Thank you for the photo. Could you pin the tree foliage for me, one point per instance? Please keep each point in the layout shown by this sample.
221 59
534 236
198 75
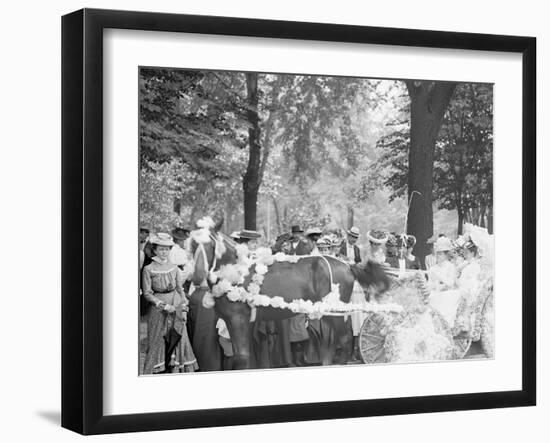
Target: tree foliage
462 174
311 150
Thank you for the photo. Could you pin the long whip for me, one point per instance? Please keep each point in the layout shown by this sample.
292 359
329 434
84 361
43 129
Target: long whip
408 209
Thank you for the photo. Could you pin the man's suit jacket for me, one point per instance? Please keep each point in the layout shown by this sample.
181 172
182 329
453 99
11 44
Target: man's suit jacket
302 248
356 252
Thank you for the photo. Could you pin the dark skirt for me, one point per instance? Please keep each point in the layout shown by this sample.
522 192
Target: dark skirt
201 326
183 358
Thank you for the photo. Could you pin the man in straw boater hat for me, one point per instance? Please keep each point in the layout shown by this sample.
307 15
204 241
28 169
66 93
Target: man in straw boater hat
349 249
350 252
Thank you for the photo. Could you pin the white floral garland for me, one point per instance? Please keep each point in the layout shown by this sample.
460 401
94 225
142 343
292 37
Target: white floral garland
228 281
416 339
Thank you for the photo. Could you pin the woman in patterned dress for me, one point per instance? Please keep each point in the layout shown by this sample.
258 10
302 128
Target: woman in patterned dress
162 288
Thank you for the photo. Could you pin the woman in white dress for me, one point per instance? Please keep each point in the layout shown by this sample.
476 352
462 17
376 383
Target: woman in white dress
469 281
442 281
469 284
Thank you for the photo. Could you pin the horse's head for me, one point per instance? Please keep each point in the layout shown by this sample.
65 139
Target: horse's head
371 275
208 247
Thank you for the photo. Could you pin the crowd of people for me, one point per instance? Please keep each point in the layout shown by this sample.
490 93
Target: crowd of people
166 265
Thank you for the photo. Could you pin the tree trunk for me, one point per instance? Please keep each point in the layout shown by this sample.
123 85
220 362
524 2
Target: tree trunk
251 179
490 219
177 206
482 216
460 221
228 217
429 100
277 216
350 217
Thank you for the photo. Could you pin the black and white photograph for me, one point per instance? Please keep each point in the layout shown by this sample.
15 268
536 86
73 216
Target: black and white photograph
297 221
275 221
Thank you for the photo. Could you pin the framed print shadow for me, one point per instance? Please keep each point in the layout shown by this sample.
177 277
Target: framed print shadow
269 221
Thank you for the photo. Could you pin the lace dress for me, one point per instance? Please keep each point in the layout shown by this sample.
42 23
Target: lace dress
162 283
444 296
469 284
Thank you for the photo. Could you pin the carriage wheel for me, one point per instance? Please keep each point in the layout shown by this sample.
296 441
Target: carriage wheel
462 345
372 338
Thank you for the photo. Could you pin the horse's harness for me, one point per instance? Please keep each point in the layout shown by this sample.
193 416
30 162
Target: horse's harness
200 249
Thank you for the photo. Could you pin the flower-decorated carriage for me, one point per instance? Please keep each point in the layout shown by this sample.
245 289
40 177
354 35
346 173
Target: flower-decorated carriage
421 332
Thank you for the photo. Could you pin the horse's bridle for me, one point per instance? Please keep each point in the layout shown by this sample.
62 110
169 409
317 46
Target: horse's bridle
200 249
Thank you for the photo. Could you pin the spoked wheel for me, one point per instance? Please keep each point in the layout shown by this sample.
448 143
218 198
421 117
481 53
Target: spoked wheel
372 337
461 345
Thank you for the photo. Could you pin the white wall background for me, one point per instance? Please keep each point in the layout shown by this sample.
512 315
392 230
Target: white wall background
30 218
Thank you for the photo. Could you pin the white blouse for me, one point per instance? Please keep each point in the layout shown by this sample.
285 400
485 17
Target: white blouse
442 276
469 281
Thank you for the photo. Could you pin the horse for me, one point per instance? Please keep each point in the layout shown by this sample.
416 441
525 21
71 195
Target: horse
210 250
307 279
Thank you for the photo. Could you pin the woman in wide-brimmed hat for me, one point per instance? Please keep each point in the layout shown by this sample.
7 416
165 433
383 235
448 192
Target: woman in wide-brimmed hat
162 287
312 236
323 245
377 242
442 275
442 280
469 281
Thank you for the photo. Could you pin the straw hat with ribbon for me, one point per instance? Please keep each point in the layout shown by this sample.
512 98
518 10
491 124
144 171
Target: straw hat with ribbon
443 244
162 239
249 234
314 231
377 237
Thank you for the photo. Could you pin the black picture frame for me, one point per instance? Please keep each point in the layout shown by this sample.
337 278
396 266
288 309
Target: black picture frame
82 219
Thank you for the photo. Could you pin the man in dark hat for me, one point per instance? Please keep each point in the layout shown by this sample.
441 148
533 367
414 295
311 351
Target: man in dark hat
298 244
